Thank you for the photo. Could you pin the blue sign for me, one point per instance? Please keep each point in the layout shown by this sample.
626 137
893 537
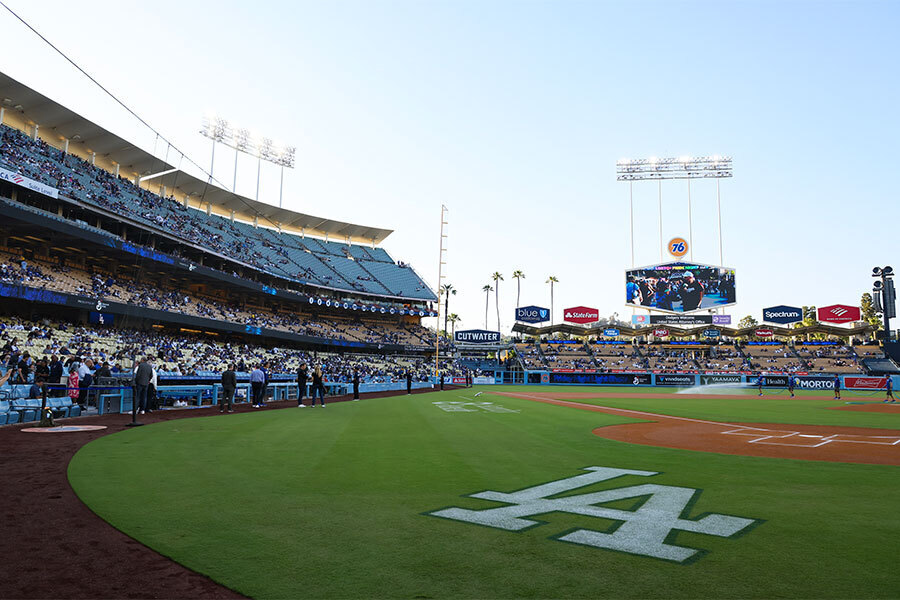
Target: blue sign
711 333
100 318
782 314
532 314
477 336
611 332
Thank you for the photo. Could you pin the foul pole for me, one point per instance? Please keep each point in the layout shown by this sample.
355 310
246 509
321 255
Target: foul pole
440 278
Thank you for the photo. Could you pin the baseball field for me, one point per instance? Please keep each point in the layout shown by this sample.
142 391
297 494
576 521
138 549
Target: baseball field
557 492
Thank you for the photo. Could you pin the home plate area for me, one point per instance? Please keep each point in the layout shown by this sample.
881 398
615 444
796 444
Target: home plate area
776 437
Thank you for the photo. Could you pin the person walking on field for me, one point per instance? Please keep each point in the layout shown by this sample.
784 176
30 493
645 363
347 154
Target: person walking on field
302 378
355 385
889 390
229 385
318 386
837 387
791 382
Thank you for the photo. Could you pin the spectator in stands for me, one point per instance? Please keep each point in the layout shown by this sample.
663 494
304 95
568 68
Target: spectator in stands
143 373
41 371
56 373
85 378
229 385
72 382
24 367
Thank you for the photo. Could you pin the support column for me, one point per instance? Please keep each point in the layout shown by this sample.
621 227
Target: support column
93 158
66 147
36 127
2 114
117 164
232 216
208 208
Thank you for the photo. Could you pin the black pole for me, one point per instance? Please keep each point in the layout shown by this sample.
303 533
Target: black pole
46 419
134 421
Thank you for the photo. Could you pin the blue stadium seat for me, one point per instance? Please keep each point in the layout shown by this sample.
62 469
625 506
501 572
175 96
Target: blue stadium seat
7 415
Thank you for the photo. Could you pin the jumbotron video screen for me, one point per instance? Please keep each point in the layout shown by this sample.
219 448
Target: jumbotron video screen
680 287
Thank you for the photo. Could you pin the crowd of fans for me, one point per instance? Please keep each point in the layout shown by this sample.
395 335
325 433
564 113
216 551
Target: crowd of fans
724 357
263 248
34 352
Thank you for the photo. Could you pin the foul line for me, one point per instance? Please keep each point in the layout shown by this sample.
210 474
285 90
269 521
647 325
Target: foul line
743 430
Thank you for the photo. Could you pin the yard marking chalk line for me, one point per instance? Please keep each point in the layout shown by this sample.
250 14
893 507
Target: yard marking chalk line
761 435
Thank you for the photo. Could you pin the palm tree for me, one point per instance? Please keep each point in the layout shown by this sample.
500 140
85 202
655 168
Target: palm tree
487 298
447 289
497 277
551 281
518 275
454 319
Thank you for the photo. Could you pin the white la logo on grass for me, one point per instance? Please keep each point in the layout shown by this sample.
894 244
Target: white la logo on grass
648 530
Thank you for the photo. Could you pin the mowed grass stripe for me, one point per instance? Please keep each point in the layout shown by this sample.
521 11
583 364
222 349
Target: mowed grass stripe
329 502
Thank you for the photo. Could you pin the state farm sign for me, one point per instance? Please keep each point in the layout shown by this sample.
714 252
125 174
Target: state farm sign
839 313
581 315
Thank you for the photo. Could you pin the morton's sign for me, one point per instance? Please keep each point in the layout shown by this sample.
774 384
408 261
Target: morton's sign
476 336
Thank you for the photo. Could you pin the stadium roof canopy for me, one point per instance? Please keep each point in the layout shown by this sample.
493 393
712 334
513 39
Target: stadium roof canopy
51 116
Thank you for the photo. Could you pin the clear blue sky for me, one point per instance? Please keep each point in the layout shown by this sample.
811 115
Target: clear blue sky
513 114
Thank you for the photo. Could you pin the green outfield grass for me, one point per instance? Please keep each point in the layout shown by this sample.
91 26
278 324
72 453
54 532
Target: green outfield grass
808 408
333 503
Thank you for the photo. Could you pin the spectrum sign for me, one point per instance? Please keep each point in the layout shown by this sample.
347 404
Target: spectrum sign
782 314
581 315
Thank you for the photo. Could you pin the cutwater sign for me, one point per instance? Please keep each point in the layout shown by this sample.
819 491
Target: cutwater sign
782 314
532 314
477 336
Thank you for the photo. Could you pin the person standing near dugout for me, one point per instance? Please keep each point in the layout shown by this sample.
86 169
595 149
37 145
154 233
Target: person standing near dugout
791 383
355 385
318 386
302 378
837 387
408 381
889 390
229 385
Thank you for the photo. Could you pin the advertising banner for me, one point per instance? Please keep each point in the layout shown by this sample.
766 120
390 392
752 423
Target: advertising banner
715 379
711 333
865 383
31 184
681 320
782 314
483 381
458 381
683 380
532 314
815 382
602 378
763 332
839 313
661 332
771 380
581 315
611 332
477 336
